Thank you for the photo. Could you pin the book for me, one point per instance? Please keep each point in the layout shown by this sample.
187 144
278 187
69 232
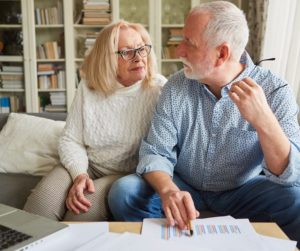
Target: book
11 77
4 104
13 68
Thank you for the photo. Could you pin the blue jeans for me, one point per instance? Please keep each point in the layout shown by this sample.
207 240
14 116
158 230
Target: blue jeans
131 198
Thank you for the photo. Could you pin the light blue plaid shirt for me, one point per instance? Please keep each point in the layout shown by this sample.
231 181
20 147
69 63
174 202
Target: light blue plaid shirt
207 142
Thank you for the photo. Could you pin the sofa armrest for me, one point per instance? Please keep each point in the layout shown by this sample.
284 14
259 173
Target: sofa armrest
15 188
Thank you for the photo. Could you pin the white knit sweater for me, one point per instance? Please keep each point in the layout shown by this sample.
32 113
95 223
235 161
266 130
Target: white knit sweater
105 132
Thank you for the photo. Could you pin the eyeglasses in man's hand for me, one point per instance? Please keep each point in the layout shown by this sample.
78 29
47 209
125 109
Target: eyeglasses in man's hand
130 54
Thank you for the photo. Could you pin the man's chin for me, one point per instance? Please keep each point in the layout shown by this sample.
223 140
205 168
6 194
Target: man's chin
189 74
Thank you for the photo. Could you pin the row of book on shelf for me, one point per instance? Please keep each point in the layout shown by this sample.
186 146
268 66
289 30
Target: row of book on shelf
52 15
175 37
49 50
12 77
95 12
51 76
11 103
15 103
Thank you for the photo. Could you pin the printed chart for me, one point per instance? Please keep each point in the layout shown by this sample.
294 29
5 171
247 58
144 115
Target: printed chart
168 232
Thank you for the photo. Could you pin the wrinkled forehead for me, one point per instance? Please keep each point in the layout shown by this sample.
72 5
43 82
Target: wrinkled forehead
195 25
129 38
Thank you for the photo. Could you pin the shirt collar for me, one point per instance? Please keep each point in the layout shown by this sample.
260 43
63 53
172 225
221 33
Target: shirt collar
249 66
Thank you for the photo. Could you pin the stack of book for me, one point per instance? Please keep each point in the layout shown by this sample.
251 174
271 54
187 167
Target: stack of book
53 15
58 102
48 50
12 77
51 76
96 12
89 42
175 37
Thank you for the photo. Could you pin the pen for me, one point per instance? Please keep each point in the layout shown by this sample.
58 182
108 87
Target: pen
190 228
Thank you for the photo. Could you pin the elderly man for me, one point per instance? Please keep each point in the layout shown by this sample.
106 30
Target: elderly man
219 124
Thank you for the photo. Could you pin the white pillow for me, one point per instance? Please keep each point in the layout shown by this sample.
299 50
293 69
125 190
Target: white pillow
28 144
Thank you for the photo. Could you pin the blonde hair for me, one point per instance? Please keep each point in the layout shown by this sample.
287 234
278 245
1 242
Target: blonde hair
100 65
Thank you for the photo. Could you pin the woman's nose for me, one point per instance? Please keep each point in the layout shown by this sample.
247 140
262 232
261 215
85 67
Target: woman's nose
137 57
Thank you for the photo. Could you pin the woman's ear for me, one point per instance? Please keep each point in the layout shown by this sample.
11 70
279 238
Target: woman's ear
223 54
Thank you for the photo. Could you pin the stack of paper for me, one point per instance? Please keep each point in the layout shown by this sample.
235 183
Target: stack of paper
211 234
134 242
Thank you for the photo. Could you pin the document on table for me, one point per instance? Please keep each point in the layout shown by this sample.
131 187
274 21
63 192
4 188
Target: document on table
134 242
76 235
219 233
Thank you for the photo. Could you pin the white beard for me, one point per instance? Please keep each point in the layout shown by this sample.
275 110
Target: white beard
199 71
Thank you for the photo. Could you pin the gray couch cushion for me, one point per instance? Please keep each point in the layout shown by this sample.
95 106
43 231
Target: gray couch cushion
15 188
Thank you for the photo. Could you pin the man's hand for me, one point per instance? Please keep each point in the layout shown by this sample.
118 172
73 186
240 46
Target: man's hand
178 205
76 200
252 104
179 208
251 101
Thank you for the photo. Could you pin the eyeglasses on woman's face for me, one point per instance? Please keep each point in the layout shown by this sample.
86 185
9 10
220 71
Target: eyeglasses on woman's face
130 54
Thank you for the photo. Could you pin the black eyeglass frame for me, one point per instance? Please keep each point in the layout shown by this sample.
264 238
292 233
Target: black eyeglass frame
137 50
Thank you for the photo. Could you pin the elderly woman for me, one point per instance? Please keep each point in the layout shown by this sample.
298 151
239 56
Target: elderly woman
109 116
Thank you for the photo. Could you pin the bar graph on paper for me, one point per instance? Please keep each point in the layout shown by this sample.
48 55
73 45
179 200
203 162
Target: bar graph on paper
200 230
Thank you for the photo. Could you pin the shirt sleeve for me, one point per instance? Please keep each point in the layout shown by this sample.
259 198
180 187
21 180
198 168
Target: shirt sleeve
286 110
158 150
71 146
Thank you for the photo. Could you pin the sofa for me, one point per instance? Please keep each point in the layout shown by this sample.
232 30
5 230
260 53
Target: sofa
14 187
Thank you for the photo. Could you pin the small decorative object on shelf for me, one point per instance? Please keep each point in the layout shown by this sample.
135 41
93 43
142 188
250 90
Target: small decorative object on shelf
6 38
10 12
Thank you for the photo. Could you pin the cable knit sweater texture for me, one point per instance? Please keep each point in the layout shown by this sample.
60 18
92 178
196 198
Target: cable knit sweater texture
106 132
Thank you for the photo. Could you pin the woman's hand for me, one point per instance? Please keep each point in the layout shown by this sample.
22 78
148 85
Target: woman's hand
76 201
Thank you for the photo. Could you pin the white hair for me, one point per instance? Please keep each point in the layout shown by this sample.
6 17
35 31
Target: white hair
227 23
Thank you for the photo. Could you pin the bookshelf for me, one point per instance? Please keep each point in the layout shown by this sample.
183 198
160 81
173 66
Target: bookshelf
54 36
13 94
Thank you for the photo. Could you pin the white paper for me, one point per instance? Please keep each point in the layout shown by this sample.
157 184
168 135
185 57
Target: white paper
134 242
103 241
276 244
76 235
211 233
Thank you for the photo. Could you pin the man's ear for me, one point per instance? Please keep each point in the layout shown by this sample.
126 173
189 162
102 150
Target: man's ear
223 54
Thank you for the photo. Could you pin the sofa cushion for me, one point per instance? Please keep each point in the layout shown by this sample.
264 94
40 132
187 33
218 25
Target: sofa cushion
28 144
